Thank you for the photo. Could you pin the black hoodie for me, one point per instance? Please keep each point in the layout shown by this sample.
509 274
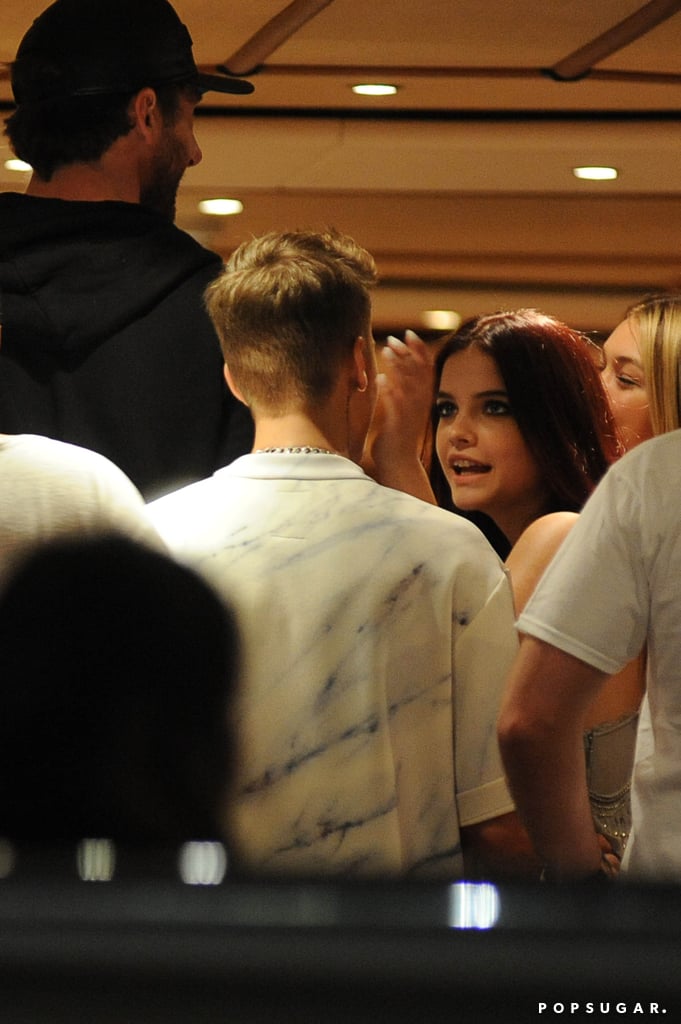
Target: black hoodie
106 342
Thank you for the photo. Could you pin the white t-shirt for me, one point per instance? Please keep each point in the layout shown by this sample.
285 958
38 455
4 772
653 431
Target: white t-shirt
361 610
50 489
614 586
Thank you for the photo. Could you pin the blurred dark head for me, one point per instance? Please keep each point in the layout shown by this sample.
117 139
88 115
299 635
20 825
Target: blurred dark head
117 668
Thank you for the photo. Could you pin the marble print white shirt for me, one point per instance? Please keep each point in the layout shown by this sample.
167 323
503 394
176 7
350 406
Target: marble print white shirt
377 634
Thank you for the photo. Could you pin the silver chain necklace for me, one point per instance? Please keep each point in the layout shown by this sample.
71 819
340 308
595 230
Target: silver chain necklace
303 449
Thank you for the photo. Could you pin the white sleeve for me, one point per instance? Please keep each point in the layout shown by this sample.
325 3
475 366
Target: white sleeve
592 601
484 653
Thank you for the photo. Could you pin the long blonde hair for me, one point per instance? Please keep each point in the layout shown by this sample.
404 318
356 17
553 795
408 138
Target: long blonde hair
658 321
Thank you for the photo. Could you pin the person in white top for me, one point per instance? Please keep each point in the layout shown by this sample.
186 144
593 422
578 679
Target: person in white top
50 489
629 541
376 629
612 588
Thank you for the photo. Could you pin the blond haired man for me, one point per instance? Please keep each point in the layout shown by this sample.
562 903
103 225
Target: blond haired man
377 629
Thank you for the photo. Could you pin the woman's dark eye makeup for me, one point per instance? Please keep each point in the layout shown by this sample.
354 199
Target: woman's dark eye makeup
497 407
445 408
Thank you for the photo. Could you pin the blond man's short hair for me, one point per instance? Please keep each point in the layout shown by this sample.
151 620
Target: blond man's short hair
287 310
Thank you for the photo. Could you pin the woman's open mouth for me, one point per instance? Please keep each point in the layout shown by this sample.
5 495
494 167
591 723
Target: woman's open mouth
468 467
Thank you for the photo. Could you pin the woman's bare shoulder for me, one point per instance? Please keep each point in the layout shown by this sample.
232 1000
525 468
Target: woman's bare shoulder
547 532
533 551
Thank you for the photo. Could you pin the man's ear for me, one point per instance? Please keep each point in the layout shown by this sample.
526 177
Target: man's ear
146 113
232 386
359 356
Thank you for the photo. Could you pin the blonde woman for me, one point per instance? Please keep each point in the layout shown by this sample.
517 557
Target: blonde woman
642 369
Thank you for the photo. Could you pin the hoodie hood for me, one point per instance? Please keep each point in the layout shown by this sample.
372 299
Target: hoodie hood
75 273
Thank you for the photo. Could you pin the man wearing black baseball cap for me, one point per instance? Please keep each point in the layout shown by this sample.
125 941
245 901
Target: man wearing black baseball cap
77 49
105 340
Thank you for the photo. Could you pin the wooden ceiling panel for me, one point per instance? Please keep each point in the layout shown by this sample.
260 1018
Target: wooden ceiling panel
461 183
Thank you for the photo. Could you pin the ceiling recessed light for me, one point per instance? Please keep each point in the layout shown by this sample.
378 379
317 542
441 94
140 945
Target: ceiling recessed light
14 164
440 319
375 89
221 207
595 173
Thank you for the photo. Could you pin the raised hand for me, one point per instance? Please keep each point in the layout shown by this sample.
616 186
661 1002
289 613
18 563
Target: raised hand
401 422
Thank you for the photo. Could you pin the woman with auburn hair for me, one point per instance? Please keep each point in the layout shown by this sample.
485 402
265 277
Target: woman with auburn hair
553 387
524 433
560 410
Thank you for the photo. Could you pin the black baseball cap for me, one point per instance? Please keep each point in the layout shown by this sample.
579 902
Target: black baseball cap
100 47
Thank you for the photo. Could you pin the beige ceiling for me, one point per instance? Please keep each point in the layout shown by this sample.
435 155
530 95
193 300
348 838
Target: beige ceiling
461 184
